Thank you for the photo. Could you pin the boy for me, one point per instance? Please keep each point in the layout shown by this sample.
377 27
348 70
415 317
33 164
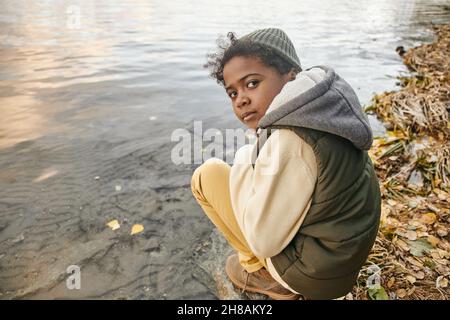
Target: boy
307 226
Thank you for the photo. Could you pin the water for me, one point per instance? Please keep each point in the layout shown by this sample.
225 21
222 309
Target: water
95 89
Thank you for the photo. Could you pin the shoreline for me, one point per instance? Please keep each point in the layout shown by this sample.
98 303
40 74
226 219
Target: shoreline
412 250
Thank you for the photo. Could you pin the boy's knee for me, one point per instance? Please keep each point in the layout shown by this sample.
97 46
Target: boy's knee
210 167
214 162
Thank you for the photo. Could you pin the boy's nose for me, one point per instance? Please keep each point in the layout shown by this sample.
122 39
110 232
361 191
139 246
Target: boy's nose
243 101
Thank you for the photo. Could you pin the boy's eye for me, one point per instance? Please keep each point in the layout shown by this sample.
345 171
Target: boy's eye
250 84
253 81
231 94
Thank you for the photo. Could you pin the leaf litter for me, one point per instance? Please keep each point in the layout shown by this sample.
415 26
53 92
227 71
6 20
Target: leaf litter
412 162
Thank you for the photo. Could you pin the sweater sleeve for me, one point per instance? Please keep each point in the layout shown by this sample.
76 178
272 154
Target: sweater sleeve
270 201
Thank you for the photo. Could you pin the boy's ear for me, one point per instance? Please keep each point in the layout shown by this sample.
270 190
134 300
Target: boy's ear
292 74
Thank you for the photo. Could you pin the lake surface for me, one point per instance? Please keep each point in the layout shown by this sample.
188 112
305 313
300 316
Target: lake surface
89 97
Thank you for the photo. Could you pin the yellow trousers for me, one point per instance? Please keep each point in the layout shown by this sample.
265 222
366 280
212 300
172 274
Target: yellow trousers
210 187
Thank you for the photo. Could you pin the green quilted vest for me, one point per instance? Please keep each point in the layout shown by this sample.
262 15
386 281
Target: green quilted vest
325 256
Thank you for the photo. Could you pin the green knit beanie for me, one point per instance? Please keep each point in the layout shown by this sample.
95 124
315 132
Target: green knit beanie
277 40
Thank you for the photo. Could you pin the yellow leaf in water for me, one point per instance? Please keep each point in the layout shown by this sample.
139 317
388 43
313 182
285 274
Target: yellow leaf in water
137 228
113 224
428 218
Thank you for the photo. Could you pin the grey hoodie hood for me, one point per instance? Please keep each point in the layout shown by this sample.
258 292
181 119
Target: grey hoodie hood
320 99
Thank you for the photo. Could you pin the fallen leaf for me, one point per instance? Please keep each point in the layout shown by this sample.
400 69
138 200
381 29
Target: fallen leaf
435 255
433 240
411 279
443 254
441 282
442 197
411 235
113 224
413 204
377 293
442 232
137 228
444 262
422 234
390 282
402 244
401 293
428 218
441 194
414 262
392 202
430 264
414 223
419 247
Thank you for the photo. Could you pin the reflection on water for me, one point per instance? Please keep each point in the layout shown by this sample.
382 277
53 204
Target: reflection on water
95 88
20 121
115 54
56 53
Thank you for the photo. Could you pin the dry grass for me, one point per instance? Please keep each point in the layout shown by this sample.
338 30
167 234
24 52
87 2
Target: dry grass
412 250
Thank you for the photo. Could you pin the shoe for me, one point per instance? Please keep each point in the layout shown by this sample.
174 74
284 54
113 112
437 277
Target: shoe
259 281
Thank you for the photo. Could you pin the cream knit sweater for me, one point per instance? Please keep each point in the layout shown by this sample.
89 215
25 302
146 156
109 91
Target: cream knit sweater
271 200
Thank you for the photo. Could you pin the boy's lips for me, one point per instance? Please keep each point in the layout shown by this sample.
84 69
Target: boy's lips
246 116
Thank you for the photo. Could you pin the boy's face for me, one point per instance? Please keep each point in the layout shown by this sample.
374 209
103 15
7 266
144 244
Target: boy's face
251 86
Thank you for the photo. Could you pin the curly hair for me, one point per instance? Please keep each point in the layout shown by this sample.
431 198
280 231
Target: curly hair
231 47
